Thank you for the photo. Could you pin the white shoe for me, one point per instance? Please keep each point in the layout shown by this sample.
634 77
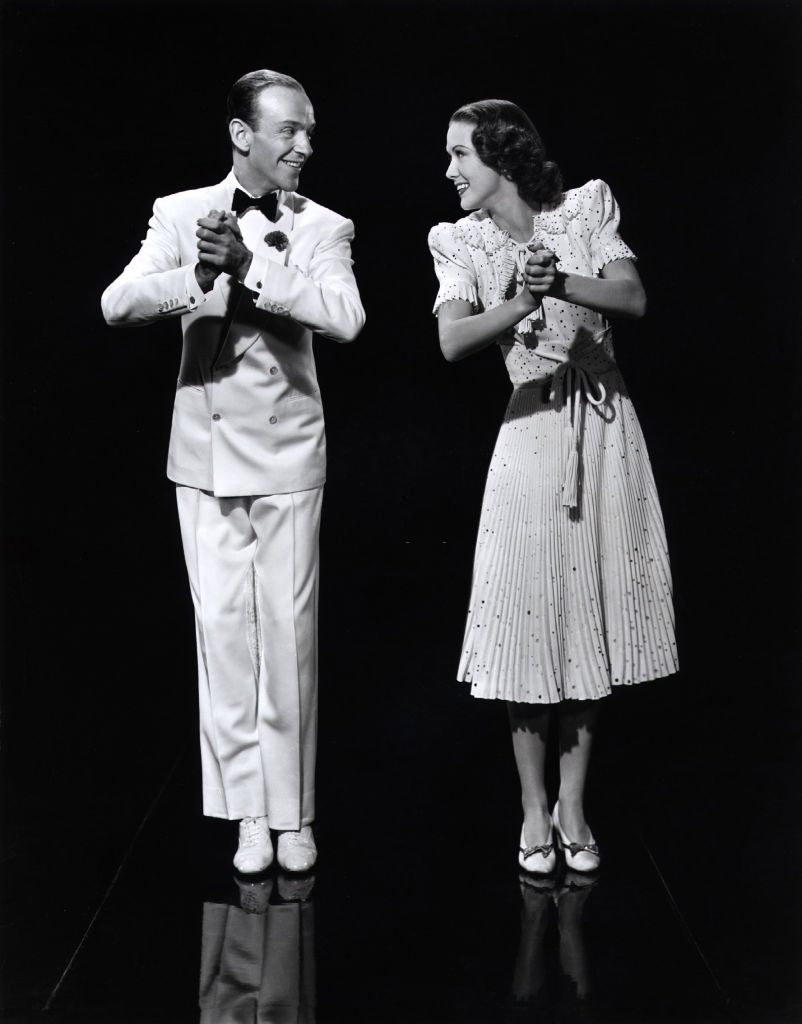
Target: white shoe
297 850
537 860
255 850
582 857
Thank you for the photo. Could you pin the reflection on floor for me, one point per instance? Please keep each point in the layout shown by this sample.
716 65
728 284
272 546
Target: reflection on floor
534 986
417 913
386 932
258 958
381 934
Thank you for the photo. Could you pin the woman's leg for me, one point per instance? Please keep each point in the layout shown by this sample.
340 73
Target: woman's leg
529 724
578 722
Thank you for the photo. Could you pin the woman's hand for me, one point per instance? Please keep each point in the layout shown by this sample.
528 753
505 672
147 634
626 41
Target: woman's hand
540 271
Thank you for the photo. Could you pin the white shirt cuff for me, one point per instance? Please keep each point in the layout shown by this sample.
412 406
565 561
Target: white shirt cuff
195 296
257 274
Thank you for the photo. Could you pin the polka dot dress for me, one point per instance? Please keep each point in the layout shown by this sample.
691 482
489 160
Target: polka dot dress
571 591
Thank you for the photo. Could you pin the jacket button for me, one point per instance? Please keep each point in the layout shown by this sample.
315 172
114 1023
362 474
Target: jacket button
192 299
274 419
216 416
273 371
258 284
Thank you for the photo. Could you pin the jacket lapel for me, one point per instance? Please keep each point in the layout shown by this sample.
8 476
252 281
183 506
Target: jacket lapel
245 324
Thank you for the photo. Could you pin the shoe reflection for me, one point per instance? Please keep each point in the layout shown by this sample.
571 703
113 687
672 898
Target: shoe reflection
258 958
538 985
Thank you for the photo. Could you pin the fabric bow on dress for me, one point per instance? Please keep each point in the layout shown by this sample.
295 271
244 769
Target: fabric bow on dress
574 378
579 381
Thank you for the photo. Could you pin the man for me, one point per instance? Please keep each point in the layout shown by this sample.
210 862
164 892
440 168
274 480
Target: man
254 270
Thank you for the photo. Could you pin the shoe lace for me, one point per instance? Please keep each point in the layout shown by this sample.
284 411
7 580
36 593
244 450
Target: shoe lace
252 832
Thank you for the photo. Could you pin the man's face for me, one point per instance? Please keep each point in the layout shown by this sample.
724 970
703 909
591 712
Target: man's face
280 143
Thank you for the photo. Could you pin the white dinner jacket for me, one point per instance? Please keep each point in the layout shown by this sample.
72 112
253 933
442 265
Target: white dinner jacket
248 417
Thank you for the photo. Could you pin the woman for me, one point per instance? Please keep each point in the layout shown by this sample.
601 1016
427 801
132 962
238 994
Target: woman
571 591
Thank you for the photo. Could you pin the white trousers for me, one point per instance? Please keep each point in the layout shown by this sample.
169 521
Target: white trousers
253 571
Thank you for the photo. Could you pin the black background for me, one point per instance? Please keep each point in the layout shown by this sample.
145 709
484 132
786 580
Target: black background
690 111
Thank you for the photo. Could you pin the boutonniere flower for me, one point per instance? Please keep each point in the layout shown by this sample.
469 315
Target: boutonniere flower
277 240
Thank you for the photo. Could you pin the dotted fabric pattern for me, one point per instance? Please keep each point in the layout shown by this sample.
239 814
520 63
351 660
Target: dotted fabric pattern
567 600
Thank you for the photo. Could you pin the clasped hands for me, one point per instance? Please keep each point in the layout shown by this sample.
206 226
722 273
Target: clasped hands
539 273
220 249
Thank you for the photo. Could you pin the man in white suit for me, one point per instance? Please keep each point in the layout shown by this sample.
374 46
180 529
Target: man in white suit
254 270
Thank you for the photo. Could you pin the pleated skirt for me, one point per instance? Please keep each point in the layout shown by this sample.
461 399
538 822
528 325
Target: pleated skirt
567 603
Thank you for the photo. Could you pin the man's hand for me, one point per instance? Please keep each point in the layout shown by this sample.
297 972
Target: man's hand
220 247
540 271
205 274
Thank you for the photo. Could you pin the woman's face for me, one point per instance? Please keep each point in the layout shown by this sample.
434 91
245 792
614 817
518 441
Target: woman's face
477 184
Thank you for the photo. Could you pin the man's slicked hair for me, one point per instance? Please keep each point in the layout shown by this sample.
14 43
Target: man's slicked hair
243 99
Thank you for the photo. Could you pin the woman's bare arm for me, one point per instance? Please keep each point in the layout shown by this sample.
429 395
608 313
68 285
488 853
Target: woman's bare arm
463 332
618 292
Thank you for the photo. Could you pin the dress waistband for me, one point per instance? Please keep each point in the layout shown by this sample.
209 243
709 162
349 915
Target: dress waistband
579 381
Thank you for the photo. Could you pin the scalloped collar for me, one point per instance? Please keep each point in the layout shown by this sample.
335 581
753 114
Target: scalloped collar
480 231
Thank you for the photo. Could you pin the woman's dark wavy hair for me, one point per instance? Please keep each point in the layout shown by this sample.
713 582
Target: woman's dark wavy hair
506 140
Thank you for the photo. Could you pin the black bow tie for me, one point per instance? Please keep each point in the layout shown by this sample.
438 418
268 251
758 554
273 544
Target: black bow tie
267 204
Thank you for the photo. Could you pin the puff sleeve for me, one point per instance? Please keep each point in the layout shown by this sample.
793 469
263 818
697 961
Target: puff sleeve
453 266
601 216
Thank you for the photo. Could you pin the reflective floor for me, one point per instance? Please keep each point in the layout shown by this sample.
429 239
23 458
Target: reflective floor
118 901
416 912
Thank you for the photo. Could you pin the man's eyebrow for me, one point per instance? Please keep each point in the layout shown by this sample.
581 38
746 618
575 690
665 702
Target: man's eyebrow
296 124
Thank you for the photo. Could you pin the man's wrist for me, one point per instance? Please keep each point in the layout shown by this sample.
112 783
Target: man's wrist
205 278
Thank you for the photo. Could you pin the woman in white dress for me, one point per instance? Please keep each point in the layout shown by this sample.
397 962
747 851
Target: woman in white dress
571 591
